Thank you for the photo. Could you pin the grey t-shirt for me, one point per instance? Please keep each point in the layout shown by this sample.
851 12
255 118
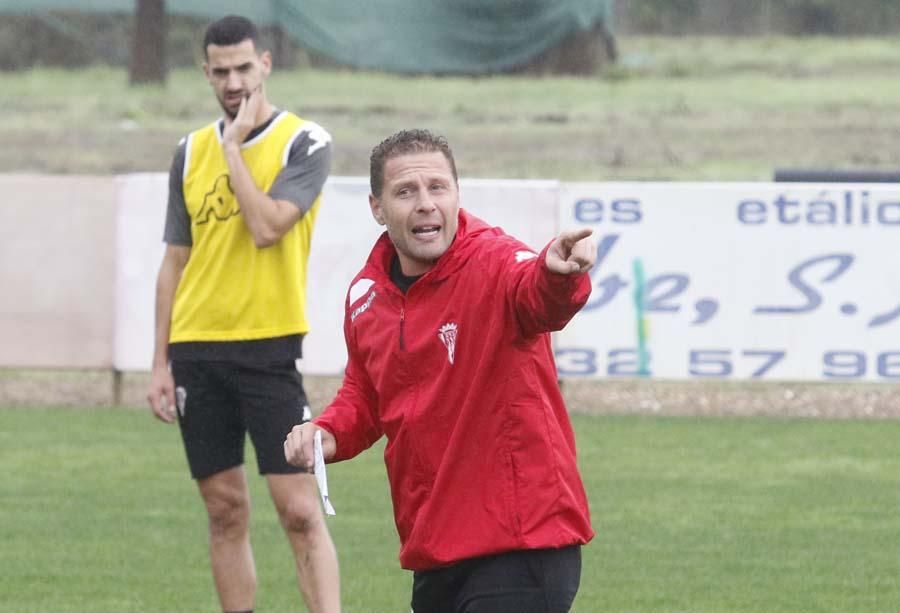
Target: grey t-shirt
299 182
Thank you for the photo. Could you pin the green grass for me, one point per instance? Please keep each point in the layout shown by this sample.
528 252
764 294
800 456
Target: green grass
687 108
692 515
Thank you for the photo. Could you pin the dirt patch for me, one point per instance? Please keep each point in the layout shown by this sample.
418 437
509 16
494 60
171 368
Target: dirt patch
822 400
810 400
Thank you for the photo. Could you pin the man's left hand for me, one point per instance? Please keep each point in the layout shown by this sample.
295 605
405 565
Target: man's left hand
572 252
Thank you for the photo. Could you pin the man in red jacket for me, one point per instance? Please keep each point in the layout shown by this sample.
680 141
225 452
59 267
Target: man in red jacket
447 329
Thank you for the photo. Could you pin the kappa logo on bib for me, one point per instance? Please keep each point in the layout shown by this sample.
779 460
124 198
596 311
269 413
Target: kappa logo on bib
219 203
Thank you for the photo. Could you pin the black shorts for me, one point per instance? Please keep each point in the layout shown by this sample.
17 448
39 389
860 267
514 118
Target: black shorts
219 402
528 581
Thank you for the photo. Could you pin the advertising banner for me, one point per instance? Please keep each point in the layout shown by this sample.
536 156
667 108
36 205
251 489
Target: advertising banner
737 281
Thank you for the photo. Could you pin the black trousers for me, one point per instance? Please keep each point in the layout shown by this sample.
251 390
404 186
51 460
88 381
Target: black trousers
529 581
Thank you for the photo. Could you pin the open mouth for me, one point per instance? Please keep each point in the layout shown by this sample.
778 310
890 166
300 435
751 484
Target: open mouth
426 231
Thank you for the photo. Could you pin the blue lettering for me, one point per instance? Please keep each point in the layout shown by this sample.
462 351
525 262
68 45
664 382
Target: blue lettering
611 284
813 297
849 207
885 318
884 209
821 212
594 211
627 366
863 208
782 204
752 212
706 308
589 211
889 365
627 210
771 359
576 361
844 364
676 285
710 362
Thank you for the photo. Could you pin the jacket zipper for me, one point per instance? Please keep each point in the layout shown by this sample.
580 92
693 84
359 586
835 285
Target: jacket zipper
402 319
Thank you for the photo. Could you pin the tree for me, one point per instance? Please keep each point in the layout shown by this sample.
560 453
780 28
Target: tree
148 53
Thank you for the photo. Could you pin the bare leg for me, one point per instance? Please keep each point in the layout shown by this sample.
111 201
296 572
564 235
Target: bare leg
297 501
227 501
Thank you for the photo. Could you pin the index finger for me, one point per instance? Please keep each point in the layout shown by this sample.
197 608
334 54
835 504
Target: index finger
576 234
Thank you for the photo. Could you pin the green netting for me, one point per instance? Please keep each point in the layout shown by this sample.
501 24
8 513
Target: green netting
435 36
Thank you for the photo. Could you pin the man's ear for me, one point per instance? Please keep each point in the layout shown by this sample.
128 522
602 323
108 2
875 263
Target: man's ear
377 213
266 61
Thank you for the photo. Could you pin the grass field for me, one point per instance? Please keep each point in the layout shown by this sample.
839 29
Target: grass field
673 108
693 515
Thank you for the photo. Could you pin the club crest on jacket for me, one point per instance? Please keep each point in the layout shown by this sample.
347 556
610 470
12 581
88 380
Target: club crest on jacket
447 334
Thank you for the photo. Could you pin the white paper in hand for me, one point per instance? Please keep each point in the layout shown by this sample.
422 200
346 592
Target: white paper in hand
319 468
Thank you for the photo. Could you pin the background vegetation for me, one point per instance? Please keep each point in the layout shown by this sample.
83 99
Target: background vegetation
699 108
797 17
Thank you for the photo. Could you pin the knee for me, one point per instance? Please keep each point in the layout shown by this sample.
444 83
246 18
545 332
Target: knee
229 516
301 515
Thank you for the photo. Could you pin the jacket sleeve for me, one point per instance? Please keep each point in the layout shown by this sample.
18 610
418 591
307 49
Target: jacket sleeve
542 300
352 417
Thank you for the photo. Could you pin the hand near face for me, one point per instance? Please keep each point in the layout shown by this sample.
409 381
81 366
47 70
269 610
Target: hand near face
572 252
247 118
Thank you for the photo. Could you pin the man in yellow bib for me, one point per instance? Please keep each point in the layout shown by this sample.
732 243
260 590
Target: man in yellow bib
244 192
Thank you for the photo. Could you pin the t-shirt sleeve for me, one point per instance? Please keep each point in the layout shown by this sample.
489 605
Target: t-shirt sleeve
178 222
308 164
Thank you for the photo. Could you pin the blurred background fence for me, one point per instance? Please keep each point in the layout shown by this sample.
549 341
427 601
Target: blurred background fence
404 36
407 36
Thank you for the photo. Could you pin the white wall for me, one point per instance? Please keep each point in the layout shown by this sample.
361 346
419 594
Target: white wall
57 256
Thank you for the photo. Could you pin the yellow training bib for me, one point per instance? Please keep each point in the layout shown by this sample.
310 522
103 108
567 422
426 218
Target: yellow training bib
232 290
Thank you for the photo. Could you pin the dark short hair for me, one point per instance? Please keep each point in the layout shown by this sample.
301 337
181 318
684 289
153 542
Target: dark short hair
230 30
402 143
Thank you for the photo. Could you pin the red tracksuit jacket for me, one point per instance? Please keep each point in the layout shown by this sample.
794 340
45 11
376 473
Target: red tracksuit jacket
459 375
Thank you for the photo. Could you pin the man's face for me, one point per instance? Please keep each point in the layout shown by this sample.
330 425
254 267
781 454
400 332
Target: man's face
419 204
234 71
